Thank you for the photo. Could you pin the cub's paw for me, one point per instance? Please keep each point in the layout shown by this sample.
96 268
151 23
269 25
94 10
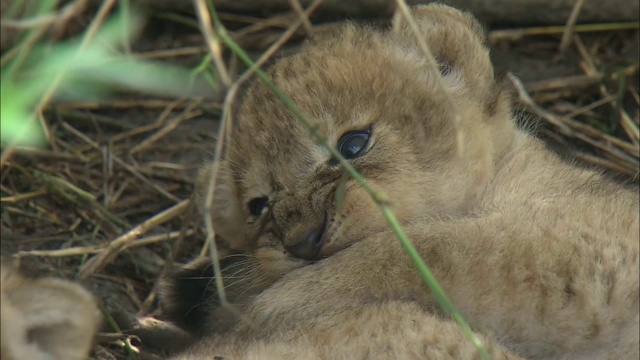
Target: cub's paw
190 297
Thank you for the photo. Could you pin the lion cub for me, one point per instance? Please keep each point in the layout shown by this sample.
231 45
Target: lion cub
45 319
540 256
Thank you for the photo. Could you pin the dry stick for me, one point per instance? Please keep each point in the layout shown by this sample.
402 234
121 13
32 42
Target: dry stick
48 154
377 197
590 107
628 125
114 248
280 21
22 197
604 163
167 128
276 46
561 123
131 293
122 163
573 124
146 128
13 210
171 53
632 163
72 251
563 82
588 158
107 173
69 148
635 95
590 130
567 35
517 34
526 99
210 38
231 94
297 8
146 180
564 123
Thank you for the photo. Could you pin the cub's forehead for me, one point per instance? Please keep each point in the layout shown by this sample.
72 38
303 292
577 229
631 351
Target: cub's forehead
331 85
341 83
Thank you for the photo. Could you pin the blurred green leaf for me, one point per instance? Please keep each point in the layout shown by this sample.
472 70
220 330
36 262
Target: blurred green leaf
84 69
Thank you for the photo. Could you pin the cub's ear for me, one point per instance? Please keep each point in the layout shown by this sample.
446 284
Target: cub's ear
46 318
458 43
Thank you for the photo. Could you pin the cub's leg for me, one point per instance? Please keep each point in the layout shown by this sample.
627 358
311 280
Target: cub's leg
190 299
549 285
388 330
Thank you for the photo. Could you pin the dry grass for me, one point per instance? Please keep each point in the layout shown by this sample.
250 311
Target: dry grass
108 200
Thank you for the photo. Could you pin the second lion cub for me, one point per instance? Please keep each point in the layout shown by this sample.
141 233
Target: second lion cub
541 256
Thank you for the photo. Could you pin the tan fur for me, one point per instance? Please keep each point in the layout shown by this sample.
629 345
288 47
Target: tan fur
541 254
45 319
389 330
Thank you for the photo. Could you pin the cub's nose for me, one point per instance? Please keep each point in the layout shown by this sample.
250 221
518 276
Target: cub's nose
309 247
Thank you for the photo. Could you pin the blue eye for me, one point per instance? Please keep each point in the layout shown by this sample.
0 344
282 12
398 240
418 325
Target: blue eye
352 144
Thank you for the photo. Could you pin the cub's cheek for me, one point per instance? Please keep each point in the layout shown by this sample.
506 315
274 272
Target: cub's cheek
275 262
358 218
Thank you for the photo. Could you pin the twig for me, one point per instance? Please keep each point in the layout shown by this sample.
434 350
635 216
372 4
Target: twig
53 20
72 251
563 82
590 68
212 40
187 114
122 163
22 197
598 161
171 53
295 5
567 34
107 254
146 128
517 34
526 99
275 47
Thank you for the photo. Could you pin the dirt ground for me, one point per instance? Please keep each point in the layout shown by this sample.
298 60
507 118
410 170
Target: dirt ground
131 160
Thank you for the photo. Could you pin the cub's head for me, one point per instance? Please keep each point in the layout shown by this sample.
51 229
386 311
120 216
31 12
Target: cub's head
375 97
